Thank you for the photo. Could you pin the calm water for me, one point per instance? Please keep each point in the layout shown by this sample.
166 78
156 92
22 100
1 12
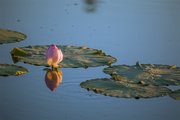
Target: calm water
130 30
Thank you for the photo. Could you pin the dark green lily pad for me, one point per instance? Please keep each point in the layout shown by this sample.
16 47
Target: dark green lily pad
74 56
114 88
9 36
175 94
145 74
10 69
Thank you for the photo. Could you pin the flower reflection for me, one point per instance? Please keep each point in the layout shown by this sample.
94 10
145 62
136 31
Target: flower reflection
53 78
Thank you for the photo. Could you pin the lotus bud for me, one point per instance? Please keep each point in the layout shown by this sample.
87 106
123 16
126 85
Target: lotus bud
54 56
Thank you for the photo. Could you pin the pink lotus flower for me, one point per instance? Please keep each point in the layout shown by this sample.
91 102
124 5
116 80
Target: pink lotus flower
54 56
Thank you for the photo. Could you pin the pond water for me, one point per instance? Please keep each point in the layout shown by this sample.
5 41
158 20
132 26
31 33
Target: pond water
130 30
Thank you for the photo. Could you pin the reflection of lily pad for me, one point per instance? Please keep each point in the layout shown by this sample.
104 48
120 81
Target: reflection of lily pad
8 36
74 56
9 69
116 88
175 94
146 74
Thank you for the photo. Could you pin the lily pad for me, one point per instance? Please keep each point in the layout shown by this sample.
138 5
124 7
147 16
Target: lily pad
74 56
145 74
175 94
9 36
10 69
114 88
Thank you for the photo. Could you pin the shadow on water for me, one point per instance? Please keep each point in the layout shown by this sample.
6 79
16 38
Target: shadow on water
14 59
53 78
90 5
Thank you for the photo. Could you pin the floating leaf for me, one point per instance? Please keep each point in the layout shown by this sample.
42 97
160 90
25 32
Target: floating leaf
8 36
175 94
145 74
74 56
19 52
114 88
9 69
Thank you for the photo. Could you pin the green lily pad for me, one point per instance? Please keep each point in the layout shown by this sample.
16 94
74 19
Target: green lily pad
114 88
74 56
10 69
9 36
145 74
175 94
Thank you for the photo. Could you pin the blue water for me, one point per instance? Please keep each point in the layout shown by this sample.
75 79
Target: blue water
130 30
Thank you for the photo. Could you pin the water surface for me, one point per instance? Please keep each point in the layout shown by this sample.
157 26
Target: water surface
143 30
